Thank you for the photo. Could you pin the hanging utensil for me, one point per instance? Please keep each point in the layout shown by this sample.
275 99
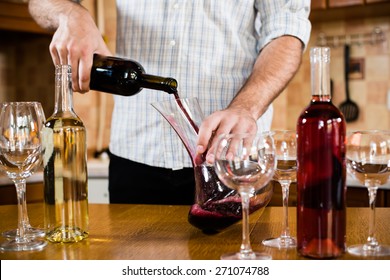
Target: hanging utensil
349 108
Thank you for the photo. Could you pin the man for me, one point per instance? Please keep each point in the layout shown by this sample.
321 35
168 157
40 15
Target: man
236 57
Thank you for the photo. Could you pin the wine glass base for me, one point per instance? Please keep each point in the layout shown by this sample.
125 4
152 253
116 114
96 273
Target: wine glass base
362 250
281 243
250 256
27 245
29 233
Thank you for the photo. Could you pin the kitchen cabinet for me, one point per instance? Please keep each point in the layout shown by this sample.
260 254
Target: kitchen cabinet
376 1
323 4
15 17
34 193
333 10
318 4
344 3
97 185
357 196
97 192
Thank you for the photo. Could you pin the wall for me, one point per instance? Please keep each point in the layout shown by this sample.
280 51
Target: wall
369 93
26 69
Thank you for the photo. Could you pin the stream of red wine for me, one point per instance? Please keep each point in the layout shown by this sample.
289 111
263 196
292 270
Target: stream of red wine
178 101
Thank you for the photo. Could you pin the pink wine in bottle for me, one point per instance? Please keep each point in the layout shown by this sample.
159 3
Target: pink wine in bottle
321 168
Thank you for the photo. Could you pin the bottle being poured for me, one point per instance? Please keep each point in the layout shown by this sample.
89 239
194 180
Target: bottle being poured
125 77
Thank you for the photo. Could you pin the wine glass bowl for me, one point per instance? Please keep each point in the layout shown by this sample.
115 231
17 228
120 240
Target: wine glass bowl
242 175
368 161
245 163
285 174
20 156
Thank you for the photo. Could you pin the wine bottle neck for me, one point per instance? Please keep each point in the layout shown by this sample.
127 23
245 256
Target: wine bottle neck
168 85
63 90
320 74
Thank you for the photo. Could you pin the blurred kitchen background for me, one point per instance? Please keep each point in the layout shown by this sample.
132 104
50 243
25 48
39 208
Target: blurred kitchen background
366 24
27 72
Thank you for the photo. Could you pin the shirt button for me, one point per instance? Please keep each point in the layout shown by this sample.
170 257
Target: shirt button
172 43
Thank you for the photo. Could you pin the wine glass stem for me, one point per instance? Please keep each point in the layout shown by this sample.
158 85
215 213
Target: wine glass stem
246 248
20 186
371 240
285 194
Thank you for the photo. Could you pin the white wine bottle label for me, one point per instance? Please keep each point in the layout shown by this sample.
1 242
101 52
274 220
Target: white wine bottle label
47 144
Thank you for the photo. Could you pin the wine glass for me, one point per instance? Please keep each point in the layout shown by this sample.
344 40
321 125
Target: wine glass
285 173
368 160
29 231
245 163
20 155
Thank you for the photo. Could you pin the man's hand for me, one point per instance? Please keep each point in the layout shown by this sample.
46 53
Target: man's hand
75 41
76 37
230 120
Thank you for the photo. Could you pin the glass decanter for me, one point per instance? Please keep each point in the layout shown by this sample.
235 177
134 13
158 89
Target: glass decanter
215 205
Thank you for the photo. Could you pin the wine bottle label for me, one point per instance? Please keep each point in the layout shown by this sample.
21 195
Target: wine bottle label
47 144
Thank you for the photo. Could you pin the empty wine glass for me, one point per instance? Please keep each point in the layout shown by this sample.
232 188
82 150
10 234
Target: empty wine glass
368 160
20 155
285 173
245 163
29 231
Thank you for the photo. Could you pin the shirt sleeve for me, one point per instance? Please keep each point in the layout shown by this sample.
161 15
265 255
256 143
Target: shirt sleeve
276 18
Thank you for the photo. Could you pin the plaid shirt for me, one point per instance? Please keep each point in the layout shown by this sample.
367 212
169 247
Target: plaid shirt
208 46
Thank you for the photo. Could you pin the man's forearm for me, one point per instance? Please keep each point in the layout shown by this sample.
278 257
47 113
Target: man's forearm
274 68
48 13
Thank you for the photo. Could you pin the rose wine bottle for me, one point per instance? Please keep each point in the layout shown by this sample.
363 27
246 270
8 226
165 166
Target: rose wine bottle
321 168
125 77
65 167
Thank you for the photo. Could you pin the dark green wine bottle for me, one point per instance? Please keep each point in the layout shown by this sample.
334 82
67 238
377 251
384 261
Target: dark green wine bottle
125 77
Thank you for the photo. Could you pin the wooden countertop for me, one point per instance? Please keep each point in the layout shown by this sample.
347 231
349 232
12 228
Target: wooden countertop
141 232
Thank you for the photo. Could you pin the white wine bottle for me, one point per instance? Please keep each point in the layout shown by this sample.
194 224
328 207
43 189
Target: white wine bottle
65 166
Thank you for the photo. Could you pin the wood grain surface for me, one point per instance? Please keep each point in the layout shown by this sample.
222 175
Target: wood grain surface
140 232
